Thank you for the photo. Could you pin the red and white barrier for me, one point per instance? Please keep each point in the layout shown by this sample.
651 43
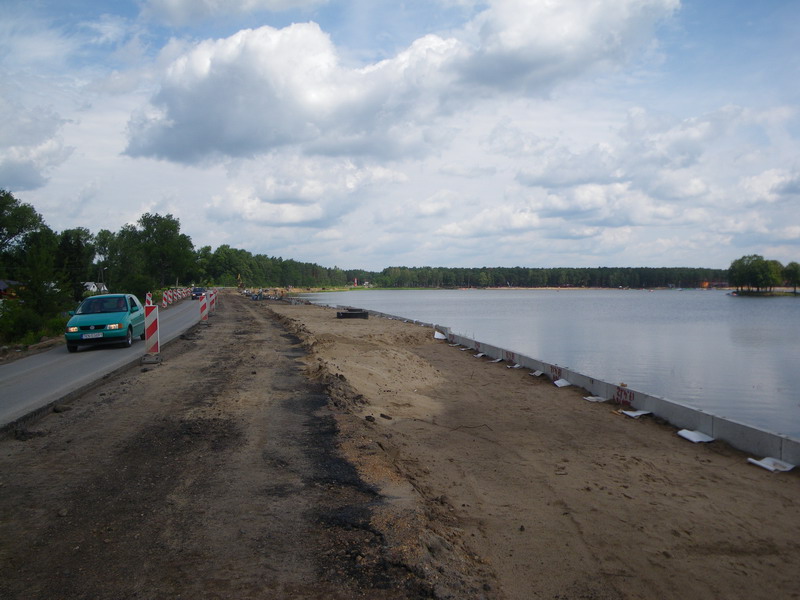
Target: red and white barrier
151 329
204 309
148 299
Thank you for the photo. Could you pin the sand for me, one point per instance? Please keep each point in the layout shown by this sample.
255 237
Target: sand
546 494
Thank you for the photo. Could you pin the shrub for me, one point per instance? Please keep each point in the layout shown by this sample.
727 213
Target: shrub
18 320
20 324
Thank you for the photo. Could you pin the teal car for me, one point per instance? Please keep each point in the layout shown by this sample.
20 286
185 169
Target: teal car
106 319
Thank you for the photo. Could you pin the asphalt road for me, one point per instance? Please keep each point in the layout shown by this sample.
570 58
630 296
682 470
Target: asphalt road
32 383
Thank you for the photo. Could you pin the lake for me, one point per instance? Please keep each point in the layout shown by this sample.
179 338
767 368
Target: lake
734 356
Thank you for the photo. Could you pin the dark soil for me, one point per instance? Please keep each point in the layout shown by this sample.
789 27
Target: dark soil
216 474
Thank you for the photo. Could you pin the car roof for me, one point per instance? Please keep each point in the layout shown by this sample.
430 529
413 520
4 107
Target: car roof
109 296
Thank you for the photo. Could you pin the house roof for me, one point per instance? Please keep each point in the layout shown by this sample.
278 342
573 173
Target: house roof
7 283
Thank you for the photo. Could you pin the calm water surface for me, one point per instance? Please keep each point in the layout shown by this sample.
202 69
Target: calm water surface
736 357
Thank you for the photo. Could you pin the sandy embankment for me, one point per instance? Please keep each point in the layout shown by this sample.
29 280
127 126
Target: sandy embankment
558 497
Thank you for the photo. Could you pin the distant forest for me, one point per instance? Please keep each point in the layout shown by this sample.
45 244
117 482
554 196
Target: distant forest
631 277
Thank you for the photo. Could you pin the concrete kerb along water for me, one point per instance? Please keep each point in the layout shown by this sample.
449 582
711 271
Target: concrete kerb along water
743 437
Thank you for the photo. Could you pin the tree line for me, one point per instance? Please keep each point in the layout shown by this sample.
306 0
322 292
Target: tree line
152 254
602 277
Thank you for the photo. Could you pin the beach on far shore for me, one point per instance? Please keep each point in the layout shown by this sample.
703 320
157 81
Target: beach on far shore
544 493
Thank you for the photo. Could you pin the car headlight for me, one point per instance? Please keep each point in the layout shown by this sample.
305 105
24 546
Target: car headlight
114 326
72 329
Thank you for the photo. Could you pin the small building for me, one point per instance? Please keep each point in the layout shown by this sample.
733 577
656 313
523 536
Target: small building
95 287
8 288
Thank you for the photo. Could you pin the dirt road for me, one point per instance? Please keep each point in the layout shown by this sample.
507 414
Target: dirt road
214 475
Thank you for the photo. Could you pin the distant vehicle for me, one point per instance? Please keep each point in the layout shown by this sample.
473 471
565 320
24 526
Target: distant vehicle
198 293
105 319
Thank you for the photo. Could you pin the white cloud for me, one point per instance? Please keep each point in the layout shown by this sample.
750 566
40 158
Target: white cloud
492 221
297 191
28 42
791 232
770 186
183 12
108 30
741 223
30 145
267 88
438 204
243 204
534 45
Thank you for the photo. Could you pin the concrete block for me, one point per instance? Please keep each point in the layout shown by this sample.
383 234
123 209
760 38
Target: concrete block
679 415
577 379
790 451
748 439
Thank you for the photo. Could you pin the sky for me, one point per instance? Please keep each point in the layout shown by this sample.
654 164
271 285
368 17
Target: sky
364 134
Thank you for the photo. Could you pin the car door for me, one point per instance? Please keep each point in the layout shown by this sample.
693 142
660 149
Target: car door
137 315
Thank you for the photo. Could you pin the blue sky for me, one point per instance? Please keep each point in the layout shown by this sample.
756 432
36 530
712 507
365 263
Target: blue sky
366 134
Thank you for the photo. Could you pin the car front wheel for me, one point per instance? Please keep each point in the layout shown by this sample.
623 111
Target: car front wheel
72 348
129 338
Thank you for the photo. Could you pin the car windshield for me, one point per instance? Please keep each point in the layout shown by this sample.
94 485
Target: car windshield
102 305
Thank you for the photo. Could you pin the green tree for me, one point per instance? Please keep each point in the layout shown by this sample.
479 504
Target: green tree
75 256
754 272
126 264
43 291
774 274
791 274
169 254
202 260
226 263
16 220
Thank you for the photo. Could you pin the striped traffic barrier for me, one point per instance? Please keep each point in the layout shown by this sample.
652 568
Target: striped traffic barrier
204 309
163 300
148 299
152 343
